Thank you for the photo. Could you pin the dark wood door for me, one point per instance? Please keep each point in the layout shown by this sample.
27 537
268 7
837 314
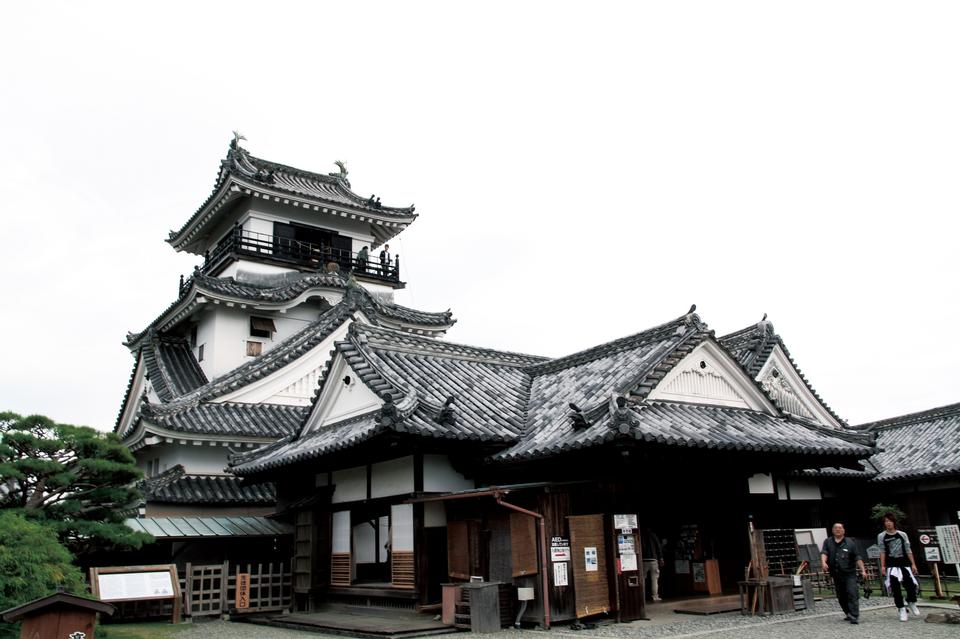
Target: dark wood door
588 547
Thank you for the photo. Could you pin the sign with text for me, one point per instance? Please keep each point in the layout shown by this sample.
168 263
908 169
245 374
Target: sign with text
559 549
124 586
625 522
949 537
590 561
932 553
560 574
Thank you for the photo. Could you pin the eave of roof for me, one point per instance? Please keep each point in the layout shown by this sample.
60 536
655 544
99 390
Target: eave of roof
208 527
291 288
244 175
176 486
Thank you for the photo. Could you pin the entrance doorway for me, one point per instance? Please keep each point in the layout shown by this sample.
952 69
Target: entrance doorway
371 546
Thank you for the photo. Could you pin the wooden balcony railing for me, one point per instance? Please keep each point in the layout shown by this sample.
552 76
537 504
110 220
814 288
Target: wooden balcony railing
319 257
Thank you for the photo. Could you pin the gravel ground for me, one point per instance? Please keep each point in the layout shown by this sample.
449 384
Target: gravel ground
878 621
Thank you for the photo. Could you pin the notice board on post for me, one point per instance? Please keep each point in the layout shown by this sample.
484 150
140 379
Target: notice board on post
119 584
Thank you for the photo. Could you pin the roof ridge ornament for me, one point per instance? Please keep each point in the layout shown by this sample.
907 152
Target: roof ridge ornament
235 142
342 175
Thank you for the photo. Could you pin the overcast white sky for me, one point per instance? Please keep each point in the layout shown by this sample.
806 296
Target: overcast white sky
582 172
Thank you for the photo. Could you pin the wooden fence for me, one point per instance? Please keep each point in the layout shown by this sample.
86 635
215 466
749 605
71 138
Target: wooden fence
212 589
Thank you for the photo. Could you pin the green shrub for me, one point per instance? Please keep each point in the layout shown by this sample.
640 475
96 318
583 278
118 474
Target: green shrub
33 564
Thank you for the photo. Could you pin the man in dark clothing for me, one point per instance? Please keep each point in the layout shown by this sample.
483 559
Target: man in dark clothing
652 561
385 260
841 559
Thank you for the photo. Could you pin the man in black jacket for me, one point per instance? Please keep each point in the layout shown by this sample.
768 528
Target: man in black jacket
841 559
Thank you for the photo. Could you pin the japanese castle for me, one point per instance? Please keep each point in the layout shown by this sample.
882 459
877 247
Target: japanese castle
284 380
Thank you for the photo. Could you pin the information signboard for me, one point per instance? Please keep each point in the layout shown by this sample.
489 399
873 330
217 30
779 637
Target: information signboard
127 586
949 537
137 583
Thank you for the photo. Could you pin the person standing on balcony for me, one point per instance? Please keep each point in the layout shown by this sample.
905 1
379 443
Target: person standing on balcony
362 258
897 565
385 260
841 559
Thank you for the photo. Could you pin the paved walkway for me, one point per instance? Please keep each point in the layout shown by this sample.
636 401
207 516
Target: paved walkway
878 621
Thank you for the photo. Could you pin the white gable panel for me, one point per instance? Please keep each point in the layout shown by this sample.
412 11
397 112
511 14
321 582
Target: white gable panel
708 375
340 400
295 383
779 378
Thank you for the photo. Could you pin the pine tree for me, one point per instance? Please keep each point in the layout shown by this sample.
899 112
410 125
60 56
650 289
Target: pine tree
78 481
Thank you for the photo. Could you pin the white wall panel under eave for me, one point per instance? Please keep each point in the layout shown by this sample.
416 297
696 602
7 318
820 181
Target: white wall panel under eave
340 531
804 490
350 484
364 544
401 520
760 484
439 476
394 477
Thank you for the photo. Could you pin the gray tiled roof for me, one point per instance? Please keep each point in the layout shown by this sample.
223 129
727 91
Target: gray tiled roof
697 426
918 445
171 367
240 166
752 347
521 402
226 419
175 486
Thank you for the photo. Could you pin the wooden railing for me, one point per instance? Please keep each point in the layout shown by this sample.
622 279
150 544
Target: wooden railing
241 242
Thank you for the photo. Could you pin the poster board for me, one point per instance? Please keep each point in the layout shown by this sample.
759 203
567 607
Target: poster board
120 584
949 537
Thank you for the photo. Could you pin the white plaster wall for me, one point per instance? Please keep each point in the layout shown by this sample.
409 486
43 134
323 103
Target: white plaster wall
254 267
394 477
440 477
804 490
225 331
401 518
340 531
364 544
206 336
350 485
200 460
760 484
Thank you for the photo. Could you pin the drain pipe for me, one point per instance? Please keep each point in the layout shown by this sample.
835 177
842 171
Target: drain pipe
545 585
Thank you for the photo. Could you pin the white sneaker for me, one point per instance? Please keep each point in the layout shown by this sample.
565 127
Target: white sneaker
914 610
903 614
